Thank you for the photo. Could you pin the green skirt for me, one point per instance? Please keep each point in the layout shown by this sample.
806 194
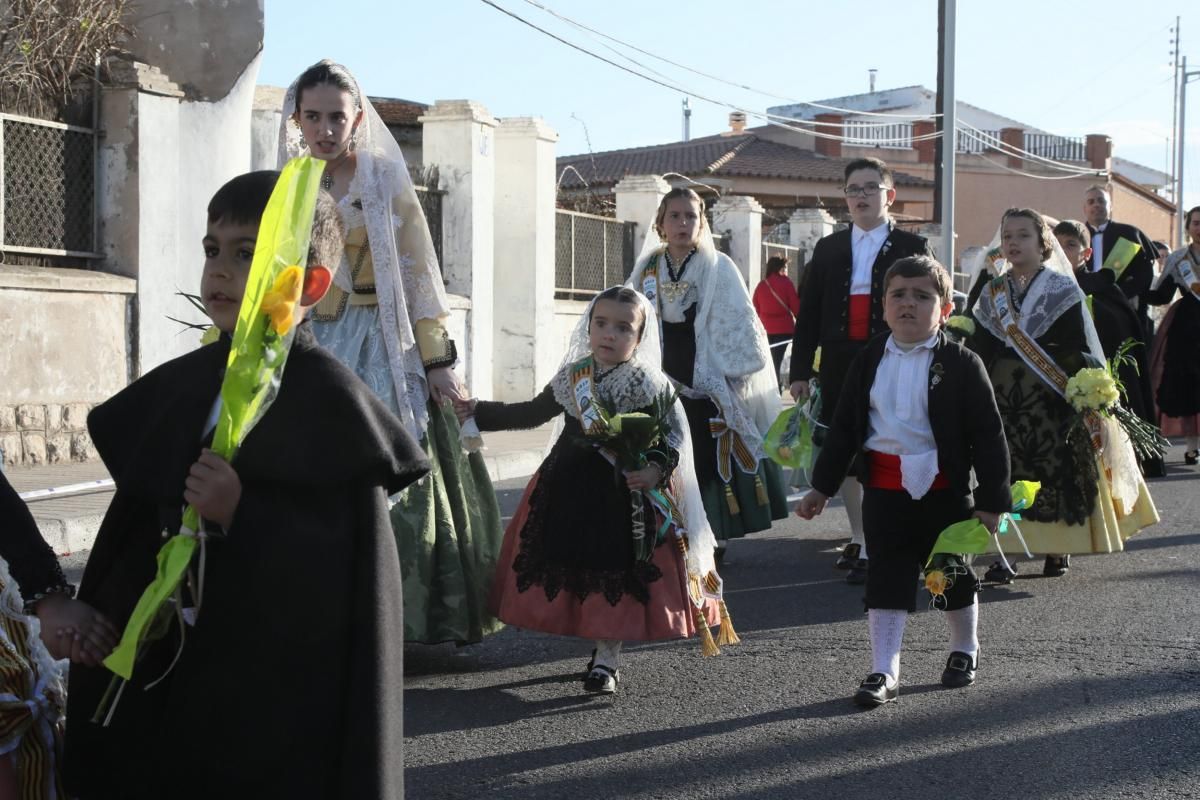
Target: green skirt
448 532
751 514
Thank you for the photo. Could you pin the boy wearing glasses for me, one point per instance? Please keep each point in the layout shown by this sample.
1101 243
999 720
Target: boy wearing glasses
841 307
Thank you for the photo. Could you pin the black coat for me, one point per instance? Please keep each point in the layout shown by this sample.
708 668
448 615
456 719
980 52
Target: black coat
30 560
290 683
824 316
1139 274
962 413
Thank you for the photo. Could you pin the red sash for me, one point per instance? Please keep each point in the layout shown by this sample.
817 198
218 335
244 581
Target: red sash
860 317
885 473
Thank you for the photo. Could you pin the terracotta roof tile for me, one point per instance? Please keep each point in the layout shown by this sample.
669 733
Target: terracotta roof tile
745 155
394 111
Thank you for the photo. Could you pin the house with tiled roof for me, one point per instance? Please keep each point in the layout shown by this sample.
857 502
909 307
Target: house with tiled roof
990 176
781 175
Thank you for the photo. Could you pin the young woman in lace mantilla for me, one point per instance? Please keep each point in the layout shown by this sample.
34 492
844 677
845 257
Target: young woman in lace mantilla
385 317
715 350
1033 333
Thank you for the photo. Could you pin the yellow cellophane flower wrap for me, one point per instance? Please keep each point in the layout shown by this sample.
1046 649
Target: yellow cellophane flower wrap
1092 389
1024 493
280 302
817 360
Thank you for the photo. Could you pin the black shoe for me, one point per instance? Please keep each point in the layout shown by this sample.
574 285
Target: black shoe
1155 467
874 691
719 551
602 680
1191 457
998 573
1056 566
857 574
849 555
959 671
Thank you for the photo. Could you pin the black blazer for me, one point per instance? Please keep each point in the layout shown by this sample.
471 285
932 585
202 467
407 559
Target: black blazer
962 413
1136 279
824 316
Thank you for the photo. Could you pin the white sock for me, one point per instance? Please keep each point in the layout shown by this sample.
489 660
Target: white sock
608 653
887 634
1193 443
852 495
964 629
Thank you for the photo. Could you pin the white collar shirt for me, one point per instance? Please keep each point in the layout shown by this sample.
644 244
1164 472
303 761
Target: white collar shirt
864 248
899 413
1098 247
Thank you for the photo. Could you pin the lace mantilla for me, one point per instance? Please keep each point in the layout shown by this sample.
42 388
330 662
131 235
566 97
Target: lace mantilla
623 388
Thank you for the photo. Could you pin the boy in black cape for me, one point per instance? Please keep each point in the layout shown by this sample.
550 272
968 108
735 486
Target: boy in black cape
289 682
916 415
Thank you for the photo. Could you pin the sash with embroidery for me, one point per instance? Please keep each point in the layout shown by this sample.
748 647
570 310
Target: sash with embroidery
1187 273
1034 356
590 418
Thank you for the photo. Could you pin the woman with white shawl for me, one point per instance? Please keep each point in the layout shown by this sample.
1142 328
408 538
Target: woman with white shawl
385 318
1034 332
715 350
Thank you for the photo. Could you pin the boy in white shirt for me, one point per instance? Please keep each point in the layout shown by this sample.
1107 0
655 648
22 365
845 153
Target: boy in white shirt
916 415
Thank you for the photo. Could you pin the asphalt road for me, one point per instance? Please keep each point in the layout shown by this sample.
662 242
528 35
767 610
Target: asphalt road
1089 687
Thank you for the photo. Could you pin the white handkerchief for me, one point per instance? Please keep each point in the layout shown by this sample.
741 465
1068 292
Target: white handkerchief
917 472
471 438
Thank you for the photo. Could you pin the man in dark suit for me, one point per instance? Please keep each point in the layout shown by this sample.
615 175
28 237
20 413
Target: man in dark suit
1134 282
841 307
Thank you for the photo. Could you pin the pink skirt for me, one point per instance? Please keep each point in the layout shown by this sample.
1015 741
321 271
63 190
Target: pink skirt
667 615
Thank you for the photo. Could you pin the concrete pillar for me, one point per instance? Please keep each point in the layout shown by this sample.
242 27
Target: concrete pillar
459 139
139 207
829 147
1013 137
741 216
638 197
808 225
524 356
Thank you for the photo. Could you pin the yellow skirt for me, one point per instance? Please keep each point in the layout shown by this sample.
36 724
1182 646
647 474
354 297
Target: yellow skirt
1104 532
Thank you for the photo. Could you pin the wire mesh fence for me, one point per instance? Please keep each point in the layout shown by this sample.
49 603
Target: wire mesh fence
47 188
591 253
431 205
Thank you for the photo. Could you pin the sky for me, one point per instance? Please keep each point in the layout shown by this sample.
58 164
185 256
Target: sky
1037 62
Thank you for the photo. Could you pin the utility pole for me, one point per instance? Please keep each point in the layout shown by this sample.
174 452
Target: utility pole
687 120
1175 121
943 209
1184 78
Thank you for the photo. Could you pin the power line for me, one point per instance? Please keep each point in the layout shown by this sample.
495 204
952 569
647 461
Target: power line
734 84
999 144
772 119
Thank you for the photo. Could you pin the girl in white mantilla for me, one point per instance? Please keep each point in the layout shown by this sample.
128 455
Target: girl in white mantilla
715 350
1034 333
385 318
598 548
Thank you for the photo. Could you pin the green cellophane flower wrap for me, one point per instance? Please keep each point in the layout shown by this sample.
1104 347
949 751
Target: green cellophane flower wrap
631 438
261 340
947 561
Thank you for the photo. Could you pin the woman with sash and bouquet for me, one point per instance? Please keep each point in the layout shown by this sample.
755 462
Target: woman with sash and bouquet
1036 338
1175 362
610 541
715 350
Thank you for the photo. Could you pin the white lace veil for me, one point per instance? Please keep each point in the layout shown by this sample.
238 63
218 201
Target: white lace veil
750 402
408 283
1046 301
648 356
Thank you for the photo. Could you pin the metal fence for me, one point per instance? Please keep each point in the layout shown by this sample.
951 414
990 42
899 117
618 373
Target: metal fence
591 253
1059 148
431 205
47 188
865 133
